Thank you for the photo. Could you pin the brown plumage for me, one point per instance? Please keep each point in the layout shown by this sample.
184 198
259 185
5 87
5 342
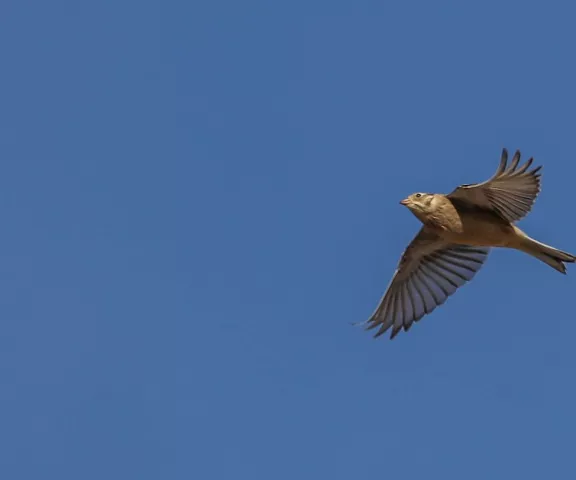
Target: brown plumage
459 229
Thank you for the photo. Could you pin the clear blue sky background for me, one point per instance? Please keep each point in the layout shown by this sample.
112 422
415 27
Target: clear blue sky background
198 198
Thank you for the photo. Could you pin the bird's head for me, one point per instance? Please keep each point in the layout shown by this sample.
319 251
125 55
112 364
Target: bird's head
418 203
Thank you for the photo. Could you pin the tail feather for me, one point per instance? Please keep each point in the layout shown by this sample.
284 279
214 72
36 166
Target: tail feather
549 255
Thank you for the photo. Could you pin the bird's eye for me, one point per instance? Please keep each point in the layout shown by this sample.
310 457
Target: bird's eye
418 195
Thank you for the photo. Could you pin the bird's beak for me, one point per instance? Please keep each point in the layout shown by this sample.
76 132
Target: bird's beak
404 202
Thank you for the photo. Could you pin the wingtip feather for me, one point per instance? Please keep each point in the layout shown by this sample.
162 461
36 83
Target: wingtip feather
514 163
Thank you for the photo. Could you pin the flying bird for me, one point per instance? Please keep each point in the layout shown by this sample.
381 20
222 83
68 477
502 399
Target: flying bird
459 230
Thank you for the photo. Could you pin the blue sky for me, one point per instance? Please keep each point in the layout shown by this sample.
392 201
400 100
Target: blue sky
198 198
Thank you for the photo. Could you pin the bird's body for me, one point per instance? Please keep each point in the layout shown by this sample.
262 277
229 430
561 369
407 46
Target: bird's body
467 227
458 231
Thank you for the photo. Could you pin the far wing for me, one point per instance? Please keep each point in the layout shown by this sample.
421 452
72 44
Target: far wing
510 192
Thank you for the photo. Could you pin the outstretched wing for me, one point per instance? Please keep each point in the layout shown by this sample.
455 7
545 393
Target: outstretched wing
429 271
510 192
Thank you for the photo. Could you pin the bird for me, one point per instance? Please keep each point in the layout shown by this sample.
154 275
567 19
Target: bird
458 231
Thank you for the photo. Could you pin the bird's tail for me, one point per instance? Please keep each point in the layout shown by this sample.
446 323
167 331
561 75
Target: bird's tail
549 255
